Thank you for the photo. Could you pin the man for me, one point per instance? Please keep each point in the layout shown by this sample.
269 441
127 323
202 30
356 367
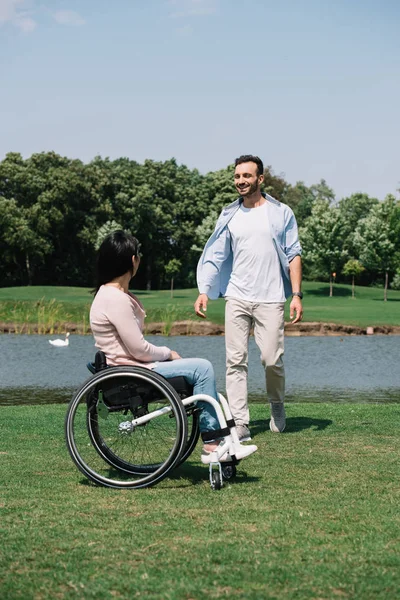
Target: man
253 260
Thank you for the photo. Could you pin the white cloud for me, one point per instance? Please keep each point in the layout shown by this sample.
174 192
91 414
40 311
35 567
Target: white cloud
8 9
68 17
14 11
20 13
26 24
185 31
192 8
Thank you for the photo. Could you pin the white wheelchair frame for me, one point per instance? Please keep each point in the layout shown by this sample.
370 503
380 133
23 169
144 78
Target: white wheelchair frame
230 442
89 415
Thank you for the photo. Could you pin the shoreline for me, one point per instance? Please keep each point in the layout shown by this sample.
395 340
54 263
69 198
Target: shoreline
205 328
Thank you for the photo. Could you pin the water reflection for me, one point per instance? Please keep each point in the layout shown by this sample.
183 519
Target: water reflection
35 395
318 369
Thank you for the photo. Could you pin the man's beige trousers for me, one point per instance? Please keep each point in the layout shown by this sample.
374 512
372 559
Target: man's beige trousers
268 322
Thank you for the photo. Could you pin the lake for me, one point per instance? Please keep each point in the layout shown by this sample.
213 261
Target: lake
318 369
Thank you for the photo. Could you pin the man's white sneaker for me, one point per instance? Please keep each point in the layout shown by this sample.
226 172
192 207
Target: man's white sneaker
278 417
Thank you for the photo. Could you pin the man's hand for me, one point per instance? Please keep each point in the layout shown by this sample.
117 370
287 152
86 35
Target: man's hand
201 304
174 355
296 307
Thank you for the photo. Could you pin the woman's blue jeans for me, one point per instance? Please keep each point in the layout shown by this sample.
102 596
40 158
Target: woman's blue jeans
199 372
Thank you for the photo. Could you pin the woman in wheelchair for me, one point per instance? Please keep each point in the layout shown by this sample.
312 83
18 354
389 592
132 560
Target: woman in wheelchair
117 321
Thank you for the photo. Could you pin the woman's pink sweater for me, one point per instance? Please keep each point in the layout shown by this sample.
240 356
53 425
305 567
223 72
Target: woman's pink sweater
117 321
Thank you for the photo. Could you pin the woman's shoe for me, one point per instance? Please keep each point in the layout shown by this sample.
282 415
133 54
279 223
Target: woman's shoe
208 456
244 451
241 452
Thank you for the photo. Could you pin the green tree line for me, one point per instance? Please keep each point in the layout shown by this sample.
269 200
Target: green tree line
54 211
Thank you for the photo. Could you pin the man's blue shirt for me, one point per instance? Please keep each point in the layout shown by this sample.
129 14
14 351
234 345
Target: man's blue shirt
215 265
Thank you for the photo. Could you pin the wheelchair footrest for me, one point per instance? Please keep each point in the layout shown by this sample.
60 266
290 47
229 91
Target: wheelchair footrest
215 434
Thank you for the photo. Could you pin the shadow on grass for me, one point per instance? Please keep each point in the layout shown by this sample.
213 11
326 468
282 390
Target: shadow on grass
293 424
142 292
197 474
324 291
187 472
300 423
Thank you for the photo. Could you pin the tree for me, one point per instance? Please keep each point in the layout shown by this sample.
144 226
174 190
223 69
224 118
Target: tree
395 285
322 240
356 207
22 243
54 211
220 189
300 199
274 185
54 195
375 239
204 230
354 268
352 209
172 268
161 203
105 230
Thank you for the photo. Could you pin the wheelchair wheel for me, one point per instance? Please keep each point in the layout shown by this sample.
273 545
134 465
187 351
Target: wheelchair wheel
228 470
192 414
94 428
103 442
216 481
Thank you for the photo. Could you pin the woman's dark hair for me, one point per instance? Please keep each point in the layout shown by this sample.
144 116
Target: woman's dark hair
114 257
250 158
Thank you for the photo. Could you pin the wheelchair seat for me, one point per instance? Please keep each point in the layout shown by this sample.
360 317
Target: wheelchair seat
180 384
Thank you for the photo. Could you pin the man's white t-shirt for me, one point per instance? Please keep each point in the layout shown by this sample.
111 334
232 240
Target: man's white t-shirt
256 274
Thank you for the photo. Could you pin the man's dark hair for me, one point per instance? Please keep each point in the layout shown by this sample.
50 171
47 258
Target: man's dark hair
250 158
115 256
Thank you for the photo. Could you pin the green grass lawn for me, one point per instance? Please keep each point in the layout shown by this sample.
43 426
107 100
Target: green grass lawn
312 515
70 304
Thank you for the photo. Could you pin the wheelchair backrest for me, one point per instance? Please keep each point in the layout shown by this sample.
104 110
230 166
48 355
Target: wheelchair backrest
100 363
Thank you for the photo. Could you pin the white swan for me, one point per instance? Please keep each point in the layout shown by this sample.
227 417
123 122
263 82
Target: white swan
60 342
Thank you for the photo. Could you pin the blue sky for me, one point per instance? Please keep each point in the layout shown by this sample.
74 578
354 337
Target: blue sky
311 86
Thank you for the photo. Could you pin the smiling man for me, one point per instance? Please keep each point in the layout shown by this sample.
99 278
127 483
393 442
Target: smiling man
253 260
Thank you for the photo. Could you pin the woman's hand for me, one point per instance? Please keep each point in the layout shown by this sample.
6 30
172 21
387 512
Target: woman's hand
174 355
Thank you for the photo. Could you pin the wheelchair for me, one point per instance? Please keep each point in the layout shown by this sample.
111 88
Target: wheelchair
129 427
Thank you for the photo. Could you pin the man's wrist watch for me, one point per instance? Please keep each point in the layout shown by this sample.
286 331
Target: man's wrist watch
299 294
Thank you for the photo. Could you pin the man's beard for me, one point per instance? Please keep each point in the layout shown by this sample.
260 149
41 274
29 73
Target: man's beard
248 191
